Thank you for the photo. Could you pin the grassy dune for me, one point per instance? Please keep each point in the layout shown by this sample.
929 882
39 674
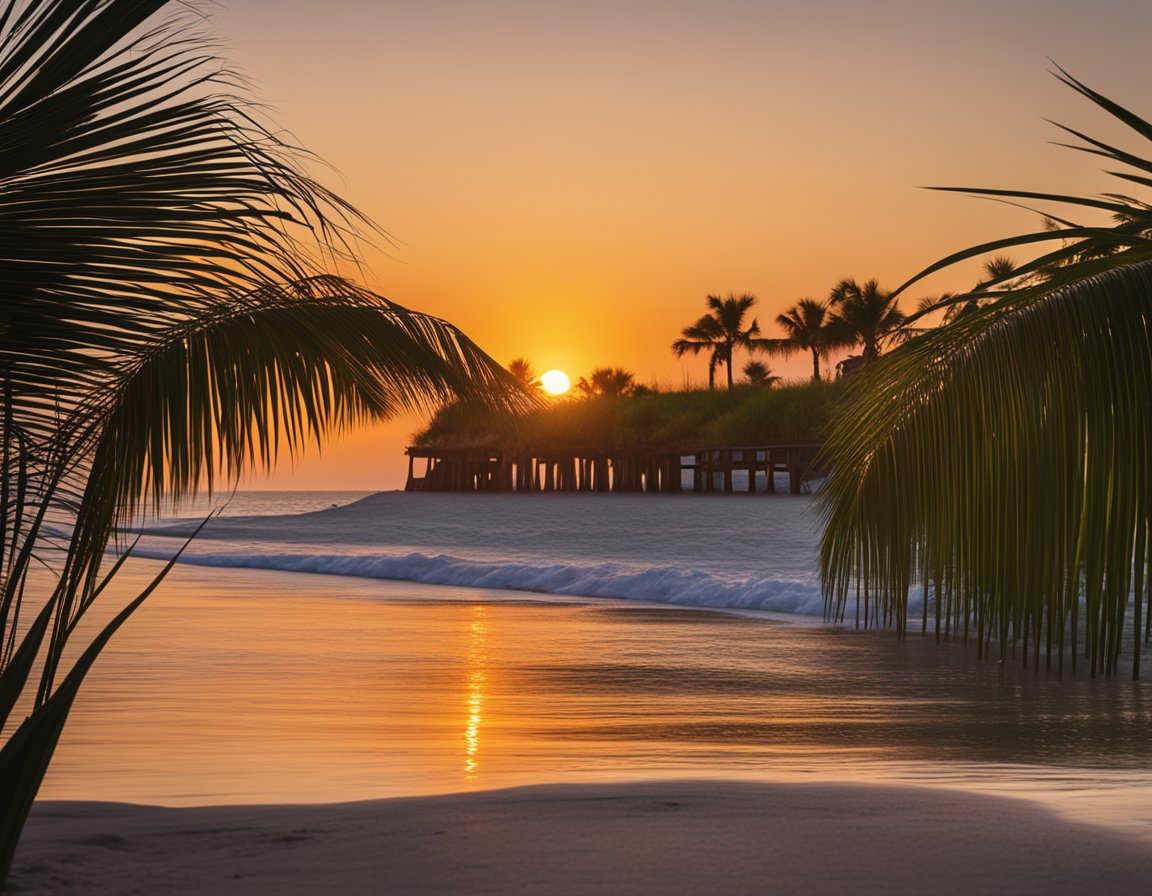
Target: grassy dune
663 421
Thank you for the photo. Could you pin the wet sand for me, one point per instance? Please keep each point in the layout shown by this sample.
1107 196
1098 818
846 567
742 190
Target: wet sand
258 704
652 838
239 687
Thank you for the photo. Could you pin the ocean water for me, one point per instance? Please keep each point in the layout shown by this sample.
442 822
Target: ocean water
402 644
749 552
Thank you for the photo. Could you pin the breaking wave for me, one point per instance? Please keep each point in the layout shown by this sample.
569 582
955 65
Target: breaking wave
658 584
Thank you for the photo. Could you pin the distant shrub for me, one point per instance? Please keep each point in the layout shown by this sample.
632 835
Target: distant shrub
652 421
792 414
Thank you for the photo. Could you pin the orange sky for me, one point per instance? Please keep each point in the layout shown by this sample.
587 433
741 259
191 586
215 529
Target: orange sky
568 181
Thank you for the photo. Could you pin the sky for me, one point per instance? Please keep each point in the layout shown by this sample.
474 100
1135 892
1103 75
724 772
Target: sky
568 181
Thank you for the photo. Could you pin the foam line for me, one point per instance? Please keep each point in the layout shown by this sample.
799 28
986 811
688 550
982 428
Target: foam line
662 584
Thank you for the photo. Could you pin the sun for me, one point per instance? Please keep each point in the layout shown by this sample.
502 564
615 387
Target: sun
555 382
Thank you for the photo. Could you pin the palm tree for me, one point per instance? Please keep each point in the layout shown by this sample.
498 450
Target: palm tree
166 325
524 374
809 328
758 374
607 382
720 332
999 466
704 335
865 314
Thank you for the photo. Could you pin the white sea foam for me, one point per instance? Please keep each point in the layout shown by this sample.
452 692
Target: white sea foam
661 584
737 552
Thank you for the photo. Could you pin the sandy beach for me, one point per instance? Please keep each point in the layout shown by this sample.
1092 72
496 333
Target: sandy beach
524 743
651 838
433 522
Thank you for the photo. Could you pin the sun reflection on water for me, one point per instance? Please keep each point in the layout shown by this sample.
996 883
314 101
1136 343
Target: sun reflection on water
411 697
477 680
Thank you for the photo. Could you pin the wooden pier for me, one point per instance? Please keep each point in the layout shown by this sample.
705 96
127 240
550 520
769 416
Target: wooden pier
710 469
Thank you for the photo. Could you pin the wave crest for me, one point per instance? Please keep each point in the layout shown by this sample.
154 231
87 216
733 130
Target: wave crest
672 585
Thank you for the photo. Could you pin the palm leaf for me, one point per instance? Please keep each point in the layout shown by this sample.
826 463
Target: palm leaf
980 461
135 190
999 465
317 357
26 754
1127 240
165 321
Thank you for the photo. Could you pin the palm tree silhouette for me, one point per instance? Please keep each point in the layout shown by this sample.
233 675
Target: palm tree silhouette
166 325
704 335
523 373
809 327
758 374
720 332
865 314
607 382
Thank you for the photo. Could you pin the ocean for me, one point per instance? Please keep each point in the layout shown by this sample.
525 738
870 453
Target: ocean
750 552
324 647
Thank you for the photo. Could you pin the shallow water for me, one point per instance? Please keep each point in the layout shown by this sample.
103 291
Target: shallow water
236 686
738 551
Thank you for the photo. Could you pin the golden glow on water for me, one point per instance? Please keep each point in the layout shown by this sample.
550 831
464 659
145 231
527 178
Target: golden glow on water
238 686
477 679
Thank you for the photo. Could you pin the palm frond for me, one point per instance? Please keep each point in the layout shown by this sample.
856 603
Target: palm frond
1126 240
135 189
1001 464
227 391
165 320
786 348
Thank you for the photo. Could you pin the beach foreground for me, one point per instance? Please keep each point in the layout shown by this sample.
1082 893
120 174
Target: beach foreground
639 838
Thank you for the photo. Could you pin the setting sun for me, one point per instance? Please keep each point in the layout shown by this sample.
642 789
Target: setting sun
555 382
694 618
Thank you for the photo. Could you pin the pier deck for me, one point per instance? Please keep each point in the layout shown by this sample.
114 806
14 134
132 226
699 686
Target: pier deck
746 469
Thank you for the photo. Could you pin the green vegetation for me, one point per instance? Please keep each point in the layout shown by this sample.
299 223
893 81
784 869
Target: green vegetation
652 421
1000 465
166 324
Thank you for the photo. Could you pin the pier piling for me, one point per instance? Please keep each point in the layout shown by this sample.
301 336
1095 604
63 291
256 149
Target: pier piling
705 470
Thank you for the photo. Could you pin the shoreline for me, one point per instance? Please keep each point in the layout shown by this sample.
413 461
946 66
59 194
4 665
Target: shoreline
409 696
638 838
